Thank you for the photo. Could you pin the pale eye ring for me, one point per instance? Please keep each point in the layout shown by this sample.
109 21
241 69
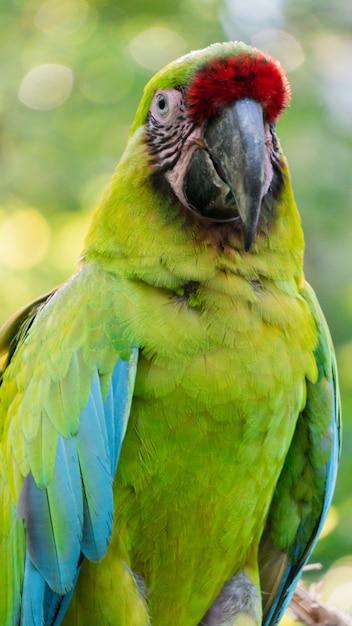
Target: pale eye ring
162 104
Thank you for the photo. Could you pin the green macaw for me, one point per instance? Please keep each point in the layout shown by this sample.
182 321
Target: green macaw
170 416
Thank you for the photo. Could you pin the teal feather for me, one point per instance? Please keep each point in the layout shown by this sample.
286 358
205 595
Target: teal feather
74 513
49 513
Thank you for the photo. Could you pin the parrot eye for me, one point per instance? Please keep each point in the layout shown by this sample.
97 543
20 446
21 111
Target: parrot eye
162 104
166 104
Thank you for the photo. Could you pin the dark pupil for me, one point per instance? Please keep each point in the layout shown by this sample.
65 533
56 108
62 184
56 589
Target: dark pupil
161 103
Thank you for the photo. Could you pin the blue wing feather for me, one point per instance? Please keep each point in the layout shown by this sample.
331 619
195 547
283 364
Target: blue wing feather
95 465
40 604
32 608
79 498
48 513
117 406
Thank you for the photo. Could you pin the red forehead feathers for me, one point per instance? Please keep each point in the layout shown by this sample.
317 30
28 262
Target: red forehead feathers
223 80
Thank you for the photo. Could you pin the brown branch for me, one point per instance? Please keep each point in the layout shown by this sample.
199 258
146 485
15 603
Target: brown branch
306 607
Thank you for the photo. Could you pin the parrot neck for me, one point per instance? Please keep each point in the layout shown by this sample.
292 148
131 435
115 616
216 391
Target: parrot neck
142 232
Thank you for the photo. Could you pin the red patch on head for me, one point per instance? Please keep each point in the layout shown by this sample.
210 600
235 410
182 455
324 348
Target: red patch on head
223 80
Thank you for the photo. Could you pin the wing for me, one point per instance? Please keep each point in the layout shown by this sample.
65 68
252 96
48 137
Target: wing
16 328
67 385
307 481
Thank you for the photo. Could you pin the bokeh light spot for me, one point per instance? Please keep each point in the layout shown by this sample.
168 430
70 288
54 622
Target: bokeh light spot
24 239
336 587
70 231
241 20
46 86
333 57
156 46
281 45
60 17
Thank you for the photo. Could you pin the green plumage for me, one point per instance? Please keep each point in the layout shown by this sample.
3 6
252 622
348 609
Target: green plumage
231 387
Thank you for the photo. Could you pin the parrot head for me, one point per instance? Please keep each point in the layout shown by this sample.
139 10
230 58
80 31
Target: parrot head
209 122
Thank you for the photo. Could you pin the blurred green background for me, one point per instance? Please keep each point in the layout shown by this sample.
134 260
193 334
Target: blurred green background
72 73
